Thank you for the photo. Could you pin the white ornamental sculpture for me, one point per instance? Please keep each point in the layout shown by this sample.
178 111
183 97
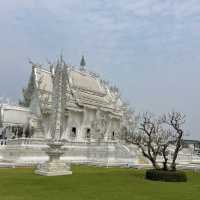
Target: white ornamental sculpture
100 125
55 166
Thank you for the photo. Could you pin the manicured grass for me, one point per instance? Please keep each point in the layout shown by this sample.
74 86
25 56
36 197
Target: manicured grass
91 183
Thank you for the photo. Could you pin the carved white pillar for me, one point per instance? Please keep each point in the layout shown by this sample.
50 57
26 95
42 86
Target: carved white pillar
68 127
83 123
109 128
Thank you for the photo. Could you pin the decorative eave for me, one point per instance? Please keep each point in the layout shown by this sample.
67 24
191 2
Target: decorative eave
14 107
88 91
75 109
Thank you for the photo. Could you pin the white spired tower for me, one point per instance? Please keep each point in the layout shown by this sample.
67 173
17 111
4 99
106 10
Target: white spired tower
55 166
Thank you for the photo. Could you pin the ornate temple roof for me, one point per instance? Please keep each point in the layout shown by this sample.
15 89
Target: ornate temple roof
87 89
43 79
86 81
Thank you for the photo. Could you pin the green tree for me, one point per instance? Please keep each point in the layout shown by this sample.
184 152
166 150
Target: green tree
28 92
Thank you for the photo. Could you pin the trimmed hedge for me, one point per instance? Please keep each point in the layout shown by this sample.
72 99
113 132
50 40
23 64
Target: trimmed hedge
168 176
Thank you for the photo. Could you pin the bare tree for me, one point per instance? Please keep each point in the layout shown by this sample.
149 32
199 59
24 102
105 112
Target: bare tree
149 137
159 136
175 120
167 138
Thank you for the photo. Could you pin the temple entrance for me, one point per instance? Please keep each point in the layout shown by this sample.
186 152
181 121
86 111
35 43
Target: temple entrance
73 132
88 133
113 135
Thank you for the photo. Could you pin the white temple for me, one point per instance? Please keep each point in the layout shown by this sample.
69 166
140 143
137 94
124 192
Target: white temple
94 120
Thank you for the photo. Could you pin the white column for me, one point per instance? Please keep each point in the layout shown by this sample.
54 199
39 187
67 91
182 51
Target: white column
82 127
108 132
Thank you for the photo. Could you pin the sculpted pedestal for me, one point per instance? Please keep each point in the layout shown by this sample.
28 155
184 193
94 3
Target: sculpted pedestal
55 166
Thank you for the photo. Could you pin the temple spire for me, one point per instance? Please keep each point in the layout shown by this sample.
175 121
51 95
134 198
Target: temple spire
82 63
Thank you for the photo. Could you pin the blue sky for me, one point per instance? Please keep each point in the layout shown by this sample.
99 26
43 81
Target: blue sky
148 48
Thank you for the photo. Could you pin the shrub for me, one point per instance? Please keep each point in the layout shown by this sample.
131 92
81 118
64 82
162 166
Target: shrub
168 176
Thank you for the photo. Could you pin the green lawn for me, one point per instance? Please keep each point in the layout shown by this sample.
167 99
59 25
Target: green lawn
91 183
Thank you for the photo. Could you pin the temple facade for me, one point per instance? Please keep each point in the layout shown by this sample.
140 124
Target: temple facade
92 110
